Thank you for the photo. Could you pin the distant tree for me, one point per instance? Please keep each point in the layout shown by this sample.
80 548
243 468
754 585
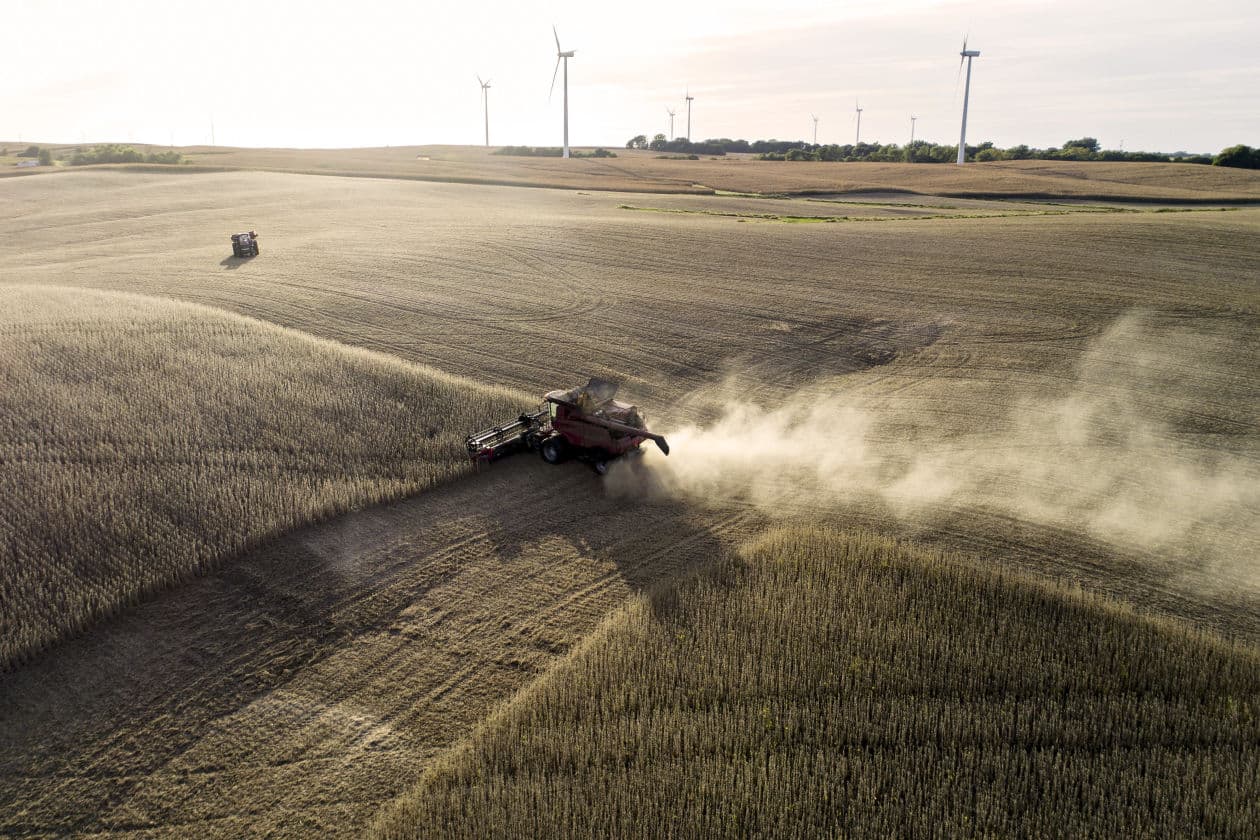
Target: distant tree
1240 157
1090 144
658 143
31 151
638 141
45 157
988 154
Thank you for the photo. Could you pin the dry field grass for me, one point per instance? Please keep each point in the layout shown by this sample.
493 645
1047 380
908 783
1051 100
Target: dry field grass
144 440
830 684
331 667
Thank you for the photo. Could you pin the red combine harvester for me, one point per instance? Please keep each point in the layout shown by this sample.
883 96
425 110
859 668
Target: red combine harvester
584 423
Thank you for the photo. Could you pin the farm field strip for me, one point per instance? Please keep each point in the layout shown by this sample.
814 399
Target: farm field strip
902 216
825 682
646 172
327 667
143 440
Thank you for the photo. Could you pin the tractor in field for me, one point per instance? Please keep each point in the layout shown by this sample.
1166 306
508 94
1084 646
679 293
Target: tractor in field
583 423
245 244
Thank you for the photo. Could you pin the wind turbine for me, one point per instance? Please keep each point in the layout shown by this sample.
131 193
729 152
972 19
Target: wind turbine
689 97
815 119
565 56
671 113
966 55
910 148
858 107
485 104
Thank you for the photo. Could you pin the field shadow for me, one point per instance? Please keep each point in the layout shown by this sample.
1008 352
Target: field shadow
231 263
538 553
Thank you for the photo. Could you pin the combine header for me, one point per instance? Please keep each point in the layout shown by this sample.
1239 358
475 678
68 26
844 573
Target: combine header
584 423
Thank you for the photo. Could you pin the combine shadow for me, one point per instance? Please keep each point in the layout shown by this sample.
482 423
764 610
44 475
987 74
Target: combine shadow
232 263
83 729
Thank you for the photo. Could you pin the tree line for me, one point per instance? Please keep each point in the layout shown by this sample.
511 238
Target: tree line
923 151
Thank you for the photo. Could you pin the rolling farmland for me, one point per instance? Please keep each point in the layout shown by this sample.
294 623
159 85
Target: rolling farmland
1034 385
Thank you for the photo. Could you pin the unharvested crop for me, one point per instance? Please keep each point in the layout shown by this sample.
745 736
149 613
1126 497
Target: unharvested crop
833 684
141 441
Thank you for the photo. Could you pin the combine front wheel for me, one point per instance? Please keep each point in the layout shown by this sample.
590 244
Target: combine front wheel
553 450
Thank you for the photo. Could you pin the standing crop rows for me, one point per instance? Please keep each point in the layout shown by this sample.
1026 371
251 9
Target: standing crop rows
142 441
838 685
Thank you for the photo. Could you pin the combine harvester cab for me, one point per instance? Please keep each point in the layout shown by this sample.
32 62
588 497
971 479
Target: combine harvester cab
585 423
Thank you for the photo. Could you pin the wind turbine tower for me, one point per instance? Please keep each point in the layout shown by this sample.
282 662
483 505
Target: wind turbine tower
671 113
815 119
565 56
966 55
910 148
485 105
858 107
689 97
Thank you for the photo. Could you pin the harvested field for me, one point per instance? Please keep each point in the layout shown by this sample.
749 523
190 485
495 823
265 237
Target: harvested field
642 171
638 171
304 683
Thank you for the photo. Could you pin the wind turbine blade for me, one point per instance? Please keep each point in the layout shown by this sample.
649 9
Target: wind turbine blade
553 80
961 59
557 34
483 84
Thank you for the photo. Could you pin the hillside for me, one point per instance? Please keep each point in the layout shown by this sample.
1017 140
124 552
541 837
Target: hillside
833 684
644 171
145 440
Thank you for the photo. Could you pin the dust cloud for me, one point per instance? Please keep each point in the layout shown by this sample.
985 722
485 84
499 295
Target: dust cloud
1141 445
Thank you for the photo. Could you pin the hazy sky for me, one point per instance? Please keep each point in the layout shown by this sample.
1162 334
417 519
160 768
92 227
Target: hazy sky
1162 76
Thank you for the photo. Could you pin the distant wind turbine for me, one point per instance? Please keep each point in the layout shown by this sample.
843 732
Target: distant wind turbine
485 104
966 55
815 119
565 56
671 113
910 148
689 97
858 107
